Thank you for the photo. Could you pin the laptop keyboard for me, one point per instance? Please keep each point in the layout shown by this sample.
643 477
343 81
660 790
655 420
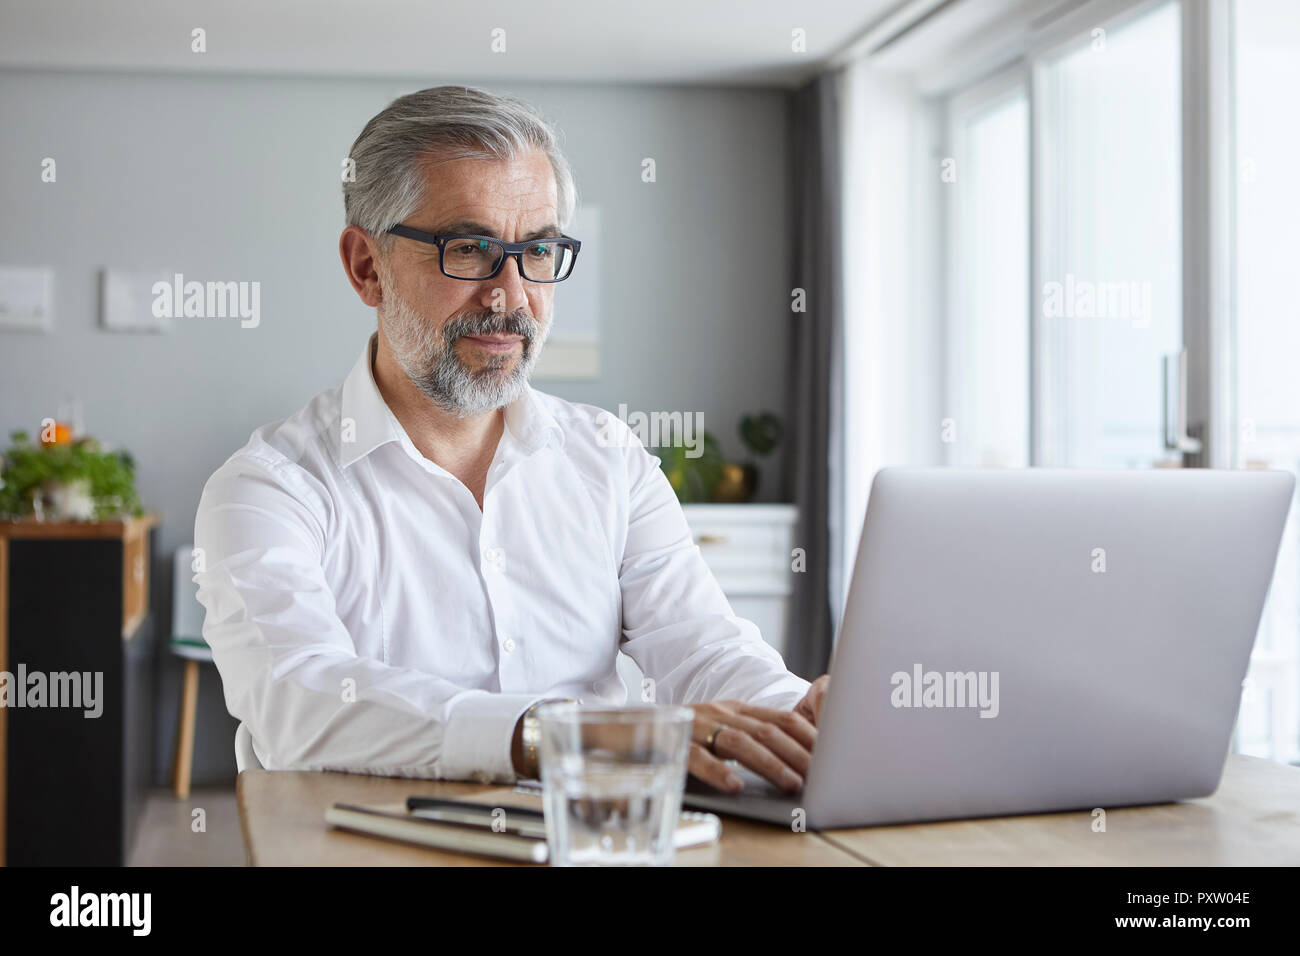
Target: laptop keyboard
755 786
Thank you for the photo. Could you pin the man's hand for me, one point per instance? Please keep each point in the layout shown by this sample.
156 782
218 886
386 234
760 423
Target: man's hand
776 744
811 705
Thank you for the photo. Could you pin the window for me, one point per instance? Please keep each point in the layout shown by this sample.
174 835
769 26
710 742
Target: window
1109 297
987 409
1266 62
1073 197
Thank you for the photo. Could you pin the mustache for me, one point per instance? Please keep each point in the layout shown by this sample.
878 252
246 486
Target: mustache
492 323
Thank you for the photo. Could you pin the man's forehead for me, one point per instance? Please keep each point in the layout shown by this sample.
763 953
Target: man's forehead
549 230
479 196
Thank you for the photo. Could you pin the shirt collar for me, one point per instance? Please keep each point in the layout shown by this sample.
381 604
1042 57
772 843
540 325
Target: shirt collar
366 421
530 422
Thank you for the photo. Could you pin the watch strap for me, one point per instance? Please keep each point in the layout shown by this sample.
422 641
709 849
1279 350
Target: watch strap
532 735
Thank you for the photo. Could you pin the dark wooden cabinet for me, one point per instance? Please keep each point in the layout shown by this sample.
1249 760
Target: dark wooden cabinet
74 600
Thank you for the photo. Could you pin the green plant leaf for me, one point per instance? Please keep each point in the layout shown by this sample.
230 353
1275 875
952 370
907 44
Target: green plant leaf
692 479
761 433
27 468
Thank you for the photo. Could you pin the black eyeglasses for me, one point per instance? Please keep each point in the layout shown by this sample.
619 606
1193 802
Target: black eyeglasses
475 258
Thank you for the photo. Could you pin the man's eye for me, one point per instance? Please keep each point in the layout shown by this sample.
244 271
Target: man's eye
540 252
469 250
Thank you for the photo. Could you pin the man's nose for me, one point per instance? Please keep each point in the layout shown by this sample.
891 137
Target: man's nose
513 293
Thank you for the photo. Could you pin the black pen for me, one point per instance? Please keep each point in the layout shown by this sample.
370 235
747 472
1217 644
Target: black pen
521 819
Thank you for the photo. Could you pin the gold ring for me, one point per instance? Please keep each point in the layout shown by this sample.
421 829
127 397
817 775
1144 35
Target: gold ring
708 744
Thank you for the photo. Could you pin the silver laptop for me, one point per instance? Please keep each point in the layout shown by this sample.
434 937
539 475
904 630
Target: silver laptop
1017 641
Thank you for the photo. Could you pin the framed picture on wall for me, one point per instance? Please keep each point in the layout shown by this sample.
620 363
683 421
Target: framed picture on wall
573 350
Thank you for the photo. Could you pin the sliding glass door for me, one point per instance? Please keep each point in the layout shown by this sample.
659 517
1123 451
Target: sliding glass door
1107 307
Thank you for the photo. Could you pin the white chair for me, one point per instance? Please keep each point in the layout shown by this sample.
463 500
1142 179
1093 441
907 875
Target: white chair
187 643
245 756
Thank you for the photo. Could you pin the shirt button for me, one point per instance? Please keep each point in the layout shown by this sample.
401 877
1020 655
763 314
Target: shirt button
509 645
495 558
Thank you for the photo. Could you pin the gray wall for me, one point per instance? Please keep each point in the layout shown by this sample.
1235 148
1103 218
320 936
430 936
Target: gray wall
224 177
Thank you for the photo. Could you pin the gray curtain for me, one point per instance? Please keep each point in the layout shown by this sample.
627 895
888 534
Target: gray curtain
813 450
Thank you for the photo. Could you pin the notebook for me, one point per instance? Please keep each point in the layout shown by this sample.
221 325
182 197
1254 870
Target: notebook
506 835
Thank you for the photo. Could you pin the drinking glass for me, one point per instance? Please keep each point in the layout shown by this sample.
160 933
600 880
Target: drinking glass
612 780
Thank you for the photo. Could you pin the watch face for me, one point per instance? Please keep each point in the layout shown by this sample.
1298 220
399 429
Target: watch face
532 729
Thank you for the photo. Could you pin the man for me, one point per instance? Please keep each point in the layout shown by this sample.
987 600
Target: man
396 576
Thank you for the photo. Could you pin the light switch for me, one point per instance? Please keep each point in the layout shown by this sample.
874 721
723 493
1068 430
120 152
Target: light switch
126 302
26 298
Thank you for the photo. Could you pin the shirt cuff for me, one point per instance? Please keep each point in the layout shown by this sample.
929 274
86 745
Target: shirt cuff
785 697
476 742
479 734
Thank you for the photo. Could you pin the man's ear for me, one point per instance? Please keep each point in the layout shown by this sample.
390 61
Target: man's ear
361 263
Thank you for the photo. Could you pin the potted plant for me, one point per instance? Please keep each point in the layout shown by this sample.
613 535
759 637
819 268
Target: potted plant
693 479
65 479
760 433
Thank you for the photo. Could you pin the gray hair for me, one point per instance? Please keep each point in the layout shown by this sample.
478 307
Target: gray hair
438 125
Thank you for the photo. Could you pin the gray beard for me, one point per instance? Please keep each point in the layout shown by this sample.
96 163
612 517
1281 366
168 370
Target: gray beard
428 356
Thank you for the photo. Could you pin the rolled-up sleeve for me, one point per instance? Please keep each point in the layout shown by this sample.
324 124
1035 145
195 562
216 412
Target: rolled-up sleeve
678 626
290 669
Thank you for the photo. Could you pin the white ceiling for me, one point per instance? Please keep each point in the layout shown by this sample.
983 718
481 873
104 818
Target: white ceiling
728 42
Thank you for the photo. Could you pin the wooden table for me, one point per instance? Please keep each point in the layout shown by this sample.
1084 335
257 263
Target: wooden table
283 817
1253 819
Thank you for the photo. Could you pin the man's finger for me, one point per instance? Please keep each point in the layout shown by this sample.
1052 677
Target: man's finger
818 695
711 770
789 750
736 744
795 724
708 716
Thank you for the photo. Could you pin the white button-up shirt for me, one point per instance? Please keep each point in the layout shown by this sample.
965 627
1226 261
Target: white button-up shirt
365 615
